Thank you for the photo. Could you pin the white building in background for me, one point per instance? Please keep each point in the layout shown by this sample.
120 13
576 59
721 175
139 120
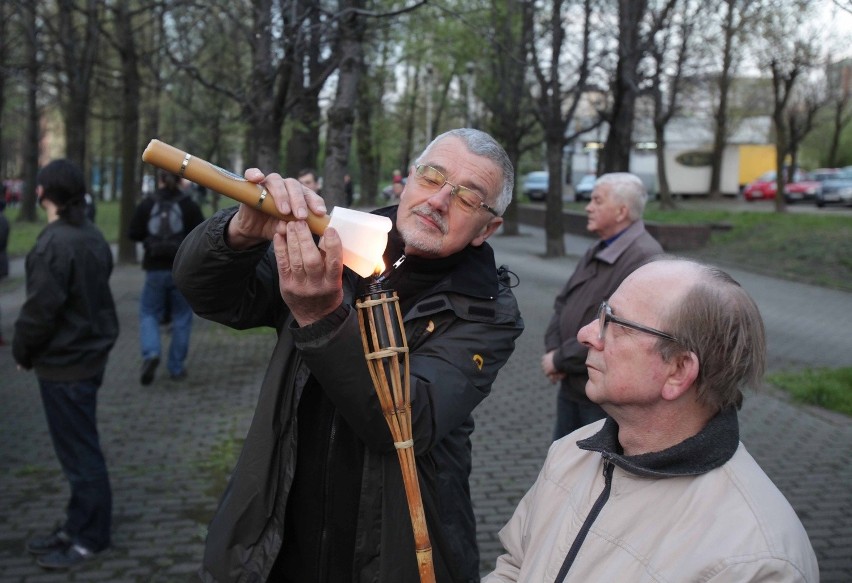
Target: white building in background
749 153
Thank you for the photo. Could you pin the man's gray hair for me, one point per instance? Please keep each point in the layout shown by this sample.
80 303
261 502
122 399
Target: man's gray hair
628 189
482 144
721 324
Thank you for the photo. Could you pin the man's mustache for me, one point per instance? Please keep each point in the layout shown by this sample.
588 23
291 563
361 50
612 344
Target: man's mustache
429 213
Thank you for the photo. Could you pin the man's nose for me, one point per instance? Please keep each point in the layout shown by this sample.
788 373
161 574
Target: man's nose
441 198
589 335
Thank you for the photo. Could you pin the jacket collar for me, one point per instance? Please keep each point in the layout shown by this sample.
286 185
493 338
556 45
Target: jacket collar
708 449
472 271
622 242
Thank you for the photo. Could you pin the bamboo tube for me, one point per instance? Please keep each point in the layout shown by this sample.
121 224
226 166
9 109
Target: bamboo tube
386 351
201 172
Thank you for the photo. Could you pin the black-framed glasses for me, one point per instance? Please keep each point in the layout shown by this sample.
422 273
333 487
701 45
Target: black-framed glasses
433 179
605 317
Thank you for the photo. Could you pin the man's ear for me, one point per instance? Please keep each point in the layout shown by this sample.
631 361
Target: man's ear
487 231
622 214
683 370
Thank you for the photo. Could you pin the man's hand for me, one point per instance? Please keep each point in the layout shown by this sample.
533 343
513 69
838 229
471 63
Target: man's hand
549 369
310 276
250 226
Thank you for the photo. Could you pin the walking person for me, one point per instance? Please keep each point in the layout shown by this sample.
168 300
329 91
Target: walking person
317 494
65 331
615 216
160 223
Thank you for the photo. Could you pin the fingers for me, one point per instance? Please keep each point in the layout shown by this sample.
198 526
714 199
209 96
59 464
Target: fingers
290 196
310 276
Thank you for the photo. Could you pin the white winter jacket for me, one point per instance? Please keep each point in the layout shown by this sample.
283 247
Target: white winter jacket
700 511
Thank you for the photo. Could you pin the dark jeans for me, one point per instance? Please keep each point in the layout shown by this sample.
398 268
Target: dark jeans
571 415
70 410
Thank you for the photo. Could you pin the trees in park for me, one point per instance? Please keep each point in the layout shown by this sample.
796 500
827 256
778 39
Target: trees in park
360 86
562 67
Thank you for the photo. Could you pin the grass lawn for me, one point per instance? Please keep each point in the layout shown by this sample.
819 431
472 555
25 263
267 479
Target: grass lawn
826 388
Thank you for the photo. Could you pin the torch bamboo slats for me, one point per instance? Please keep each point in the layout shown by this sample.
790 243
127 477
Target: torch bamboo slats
386 350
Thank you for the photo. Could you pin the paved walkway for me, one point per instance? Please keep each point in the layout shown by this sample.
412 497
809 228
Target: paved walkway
169 445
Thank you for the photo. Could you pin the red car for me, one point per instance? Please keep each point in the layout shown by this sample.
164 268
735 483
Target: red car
765 187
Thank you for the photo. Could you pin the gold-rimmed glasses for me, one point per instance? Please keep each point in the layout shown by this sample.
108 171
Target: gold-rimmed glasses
434 180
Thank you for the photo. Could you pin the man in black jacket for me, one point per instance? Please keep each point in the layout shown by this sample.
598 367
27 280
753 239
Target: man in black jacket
65 331
317 493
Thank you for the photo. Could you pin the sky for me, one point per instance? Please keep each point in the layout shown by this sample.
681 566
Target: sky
836 24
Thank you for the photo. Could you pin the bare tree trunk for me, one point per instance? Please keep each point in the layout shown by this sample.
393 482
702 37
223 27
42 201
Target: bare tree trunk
407 145
666 200
720 115
79 57
840 122
616 153
131 84
33 134
554 230
269 83
341 116
780 174
5 17
508 99
304 145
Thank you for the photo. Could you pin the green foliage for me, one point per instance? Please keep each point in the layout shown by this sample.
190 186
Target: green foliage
826 388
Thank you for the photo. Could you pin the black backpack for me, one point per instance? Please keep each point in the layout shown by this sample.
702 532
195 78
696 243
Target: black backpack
165 228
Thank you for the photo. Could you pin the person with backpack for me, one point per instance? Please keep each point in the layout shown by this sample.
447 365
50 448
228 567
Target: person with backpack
160 223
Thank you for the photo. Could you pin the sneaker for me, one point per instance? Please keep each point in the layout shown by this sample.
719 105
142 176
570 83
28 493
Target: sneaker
58 540
179 376
73 556
149 365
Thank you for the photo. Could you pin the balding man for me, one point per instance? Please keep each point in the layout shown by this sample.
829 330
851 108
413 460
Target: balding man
663 490
615 215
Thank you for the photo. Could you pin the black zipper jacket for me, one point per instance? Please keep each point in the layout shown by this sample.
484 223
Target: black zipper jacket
460 330
68 323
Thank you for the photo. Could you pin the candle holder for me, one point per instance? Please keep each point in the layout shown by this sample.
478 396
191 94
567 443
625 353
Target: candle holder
386 351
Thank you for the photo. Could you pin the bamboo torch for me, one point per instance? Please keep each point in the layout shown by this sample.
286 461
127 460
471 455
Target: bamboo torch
386 350
363 235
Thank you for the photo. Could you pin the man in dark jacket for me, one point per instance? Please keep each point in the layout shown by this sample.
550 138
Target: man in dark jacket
317 494
65 331
161 222
615 215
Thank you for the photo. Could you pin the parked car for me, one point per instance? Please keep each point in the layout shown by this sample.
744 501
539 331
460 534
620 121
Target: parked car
583 190
837 189
535 185
765 187
805 188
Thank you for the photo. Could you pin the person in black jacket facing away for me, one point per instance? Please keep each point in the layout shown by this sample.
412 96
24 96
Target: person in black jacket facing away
317 494
161 222
65 331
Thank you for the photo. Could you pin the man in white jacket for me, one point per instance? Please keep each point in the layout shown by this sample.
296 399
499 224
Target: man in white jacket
664 490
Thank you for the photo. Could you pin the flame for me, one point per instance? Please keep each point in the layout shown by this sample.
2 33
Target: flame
380 267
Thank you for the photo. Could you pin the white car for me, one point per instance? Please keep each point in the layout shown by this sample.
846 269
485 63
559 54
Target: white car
583 190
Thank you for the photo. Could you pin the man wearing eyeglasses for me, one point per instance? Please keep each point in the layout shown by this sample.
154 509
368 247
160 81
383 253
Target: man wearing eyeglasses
663 490
615 215
317 494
